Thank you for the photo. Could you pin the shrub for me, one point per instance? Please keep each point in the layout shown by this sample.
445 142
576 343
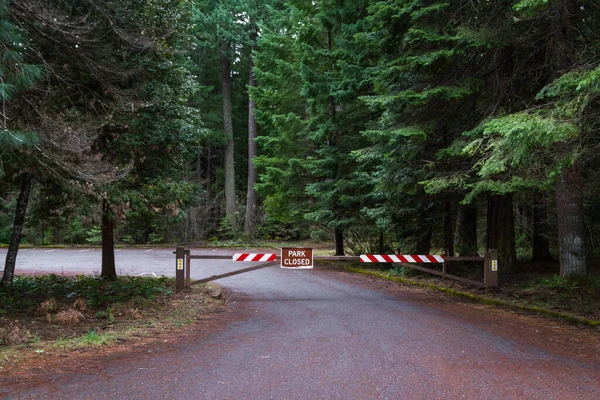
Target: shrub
13 334
84 292
68 317
49 306
80 304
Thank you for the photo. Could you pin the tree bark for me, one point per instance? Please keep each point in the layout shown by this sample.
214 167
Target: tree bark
334 142
540 241
109 270
381 242
230 200
423 245
250 221
448 232
501 231
339 242
569 188
465 233
18 223
571 229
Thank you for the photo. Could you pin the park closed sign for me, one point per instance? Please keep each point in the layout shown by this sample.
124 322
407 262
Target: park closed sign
295 258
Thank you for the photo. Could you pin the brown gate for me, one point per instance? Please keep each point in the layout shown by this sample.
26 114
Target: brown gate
184 257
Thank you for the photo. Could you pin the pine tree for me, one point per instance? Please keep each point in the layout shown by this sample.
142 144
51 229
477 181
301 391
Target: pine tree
126 98
543 142
16 76
430 87
324 106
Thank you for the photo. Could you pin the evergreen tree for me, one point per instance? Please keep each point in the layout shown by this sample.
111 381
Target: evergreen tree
16 76
281 115
109 66
542 142
431 85
324 105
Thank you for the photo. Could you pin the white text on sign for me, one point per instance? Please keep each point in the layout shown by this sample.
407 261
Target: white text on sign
295 258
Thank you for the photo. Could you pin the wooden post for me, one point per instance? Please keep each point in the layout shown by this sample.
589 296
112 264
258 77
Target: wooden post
490 272
444 269
187 268
179 268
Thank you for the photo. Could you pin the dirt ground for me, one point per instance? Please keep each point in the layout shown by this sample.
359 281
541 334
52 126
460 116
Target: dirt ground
178 314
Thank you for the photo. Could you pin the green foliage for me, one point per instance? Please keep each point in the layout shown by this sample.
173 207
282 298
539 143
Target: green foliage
27 292
579 283
514 153
406 272
309 72
93 338
94 235
16 76
530 7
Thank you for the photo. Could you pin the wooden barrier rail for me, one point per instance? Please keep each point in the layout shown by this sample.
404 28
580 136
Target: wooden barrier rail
184 257
490 278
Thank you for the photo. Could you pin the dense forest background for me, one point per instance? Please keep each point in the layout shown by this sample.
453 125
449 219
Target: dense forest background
414 126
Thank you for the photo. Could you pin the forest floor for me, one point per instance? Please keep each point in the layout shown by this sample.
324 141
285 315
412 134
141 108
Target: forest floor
29 338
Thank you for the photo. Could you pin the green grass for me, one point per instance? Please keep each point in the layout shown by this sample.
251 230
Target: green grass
92 338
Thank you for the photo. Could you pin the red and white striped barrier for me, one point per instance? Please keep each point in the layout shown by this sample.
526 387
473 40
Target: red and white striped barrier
400 258
254 257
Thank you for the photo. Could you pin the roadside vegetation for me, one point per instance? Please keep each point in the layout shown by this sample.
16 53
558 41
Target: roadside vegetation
49 314
575 299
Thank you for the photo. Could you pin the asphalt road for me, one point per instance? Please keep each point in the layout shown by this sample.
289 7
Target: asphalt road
317 334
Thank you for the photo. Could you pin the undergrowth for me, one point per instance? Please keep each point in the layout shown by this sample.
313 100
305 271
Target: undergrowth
591 284
30 292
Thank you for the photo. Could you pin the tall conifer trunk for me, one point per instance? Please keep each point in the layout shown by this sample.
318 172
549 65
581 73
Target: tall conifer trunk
250 220
230 200
465 231
338 232
109 270
501 230
448 231
571 229
339 242
423 244
540 242
18 222
569 188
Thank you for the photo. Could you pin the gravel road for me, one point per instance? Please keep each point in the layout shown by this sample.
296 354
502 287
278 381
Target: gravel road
321 334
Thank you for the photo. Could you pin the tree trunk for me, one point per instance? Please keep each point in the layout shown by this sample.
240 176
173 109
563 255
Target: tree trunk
571 230
334 142
569 188
339 242
250 222
541 243
465 233
423 245
109 270
381 244
482 208
448 236
230 200
501 231
18 222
